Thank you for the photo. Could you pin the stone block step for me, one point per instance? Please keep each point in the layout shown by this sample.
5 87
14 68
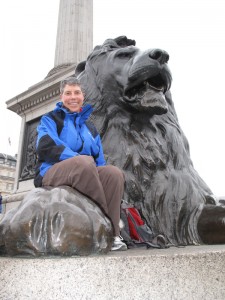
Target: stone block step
193 272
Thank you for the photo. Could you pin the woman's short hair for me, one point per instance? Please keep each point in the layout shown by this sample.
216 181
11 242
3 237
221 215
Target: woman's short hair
70 81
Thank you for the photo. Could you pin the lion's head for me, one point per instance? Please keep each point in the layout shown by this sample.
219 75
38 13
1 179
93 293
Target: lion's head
137 80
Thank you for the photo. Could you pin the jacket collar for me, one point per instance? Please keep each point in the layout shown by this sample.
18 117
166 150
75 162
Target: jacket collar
82 116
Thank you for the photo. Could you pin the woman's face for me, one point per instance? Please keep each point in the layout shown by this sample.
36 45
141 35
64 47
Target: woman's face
72 98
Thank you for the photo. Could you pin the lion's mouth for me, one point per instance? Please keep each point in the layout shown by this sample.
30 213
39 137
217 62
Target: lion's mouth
148 95
156 83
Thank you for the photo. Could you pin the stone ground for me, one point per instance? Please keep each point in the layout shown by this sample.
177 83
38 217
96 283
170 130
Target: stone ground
193 272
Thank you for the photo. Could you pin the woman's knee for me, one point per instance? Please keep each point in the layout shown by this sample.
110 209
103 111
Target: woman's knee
112 172
84 160
85 163
115 170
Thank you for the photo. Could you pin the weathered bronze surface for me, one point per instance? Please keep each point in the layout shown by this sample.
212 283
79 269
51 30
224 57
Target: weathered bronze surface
55 221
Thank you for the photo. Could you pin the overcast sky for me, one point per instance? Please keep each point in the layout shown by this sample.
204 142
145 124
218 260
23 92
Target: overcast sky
191 31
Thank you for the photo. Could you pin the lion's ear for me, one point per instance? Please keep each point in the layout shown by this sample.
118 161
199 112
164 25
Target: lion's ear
80 68
123 41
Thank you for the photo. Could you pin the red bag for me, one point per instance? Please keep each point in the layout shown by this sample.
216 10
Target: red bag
136 232
133 217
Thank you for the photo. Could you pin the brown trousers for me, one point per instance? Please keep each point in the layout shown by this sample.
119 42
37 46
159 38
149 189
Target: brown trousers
104 185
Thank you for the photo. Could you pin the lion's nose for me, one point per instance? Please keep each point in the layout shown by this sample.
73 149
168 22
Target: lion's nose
160 55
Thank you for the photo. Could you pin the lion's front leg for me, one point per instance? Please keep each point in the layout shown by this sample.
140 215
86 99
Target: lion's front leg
137 168
133 163
211 224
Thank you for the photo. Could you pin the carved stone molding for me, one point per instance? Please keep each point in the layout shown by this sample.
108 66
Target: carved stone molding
39 93
37 99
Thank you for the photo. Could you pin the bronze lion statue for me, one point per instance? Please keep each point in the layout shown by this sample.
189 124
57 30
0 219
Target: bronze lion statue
135 115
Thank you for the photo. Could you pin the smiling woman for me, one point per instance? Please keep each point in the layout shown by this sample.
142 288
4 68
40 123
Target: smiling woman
70 153
71 95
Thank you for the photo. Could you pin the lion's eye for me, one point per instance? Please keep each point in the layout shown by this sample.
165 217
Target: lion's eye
126 55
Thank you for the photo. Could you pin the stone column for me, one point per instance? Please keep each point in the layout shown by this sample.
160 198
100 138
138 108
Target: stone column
75 31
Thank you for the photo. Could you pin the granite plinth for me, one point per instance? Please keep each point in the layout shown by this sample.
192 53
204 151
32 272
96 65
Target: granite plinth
193 272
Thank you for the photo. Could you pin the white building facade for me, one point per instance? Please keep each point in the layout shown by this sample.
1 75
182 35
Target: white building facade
7 174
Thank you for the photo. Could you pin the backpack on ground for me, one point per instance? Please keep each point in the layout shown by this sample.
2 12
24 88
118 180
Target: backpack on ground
136 233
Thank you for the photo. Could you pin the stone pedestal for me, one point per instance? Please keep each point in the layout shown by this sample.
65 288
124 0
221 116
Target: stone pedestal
194 272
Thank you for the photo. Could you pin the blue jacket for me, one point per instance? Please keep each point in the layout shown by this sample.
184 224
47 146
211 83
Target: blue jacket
62 135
